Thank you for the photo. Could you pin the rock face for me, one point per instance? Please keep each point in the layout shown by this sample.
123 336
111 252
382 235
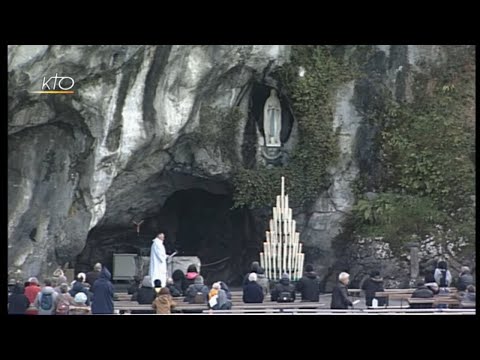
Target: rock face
388 72
119 147
112 151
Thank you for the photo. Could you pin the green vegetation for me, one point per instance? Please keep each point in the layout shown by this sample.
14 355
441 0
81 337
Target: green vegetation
317 148
428 154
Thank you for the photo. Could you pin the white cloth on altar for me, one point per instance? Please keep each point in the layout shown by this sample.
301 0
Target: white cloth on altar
158 262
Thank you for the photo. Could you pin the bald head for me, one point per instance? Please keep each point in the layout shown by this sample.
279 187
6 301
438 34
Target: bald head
97 267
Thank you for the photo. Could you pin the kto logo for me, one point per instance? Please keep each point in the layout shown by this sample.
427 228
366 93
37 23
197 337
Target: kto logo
57 85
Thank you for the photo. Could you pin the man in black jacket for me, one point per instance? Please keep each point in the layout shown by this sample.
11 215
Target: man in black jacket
371 286
309 285
422 292
340 298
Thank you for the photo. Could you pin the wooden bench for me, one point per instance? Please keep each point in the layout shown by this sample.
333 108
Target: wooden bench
354 292
437 300
128 306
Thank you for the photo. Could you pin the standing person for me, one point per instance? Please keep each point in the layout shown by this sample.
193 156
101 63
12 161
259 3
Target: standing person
340 298
32 289
92 276
309 285
17 301
46 301
102 302
64 300
79 306
372 285
442 275
158 260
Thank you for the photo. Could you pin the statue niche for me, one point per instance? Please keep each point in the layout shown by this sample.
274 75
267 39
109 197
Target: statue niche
272 120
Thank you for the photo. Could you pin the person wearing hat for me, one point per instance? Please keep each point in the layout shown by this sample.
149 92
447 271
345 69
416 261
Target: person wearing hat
79 306
103 292
32 290
17 302
283 291
340 298
309 285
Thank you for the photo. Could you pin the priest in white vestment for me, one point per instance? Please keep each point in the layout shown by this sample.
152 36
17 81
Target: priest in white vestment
158 260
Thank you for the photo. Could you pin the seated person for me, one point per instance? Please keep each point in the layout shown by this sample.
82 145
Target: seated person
197 293
179 281
174 291
467 299
283 291
146 294
422 292
163 303
252 292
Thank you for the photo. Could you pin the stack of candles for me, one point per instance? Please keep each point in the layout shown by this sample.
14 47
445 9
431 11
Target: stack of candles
282 250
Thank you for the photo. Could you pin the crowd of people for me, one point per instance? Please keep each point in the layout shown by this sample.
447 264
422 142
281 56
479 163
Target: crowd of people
93 293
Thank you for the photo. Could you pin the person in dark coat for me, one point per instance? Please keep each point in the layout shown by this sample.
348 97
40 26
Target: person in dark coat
146 294
102 302
92 276
11 285
197 287
227 290
178 278
465 279
17 302
254 268
340 298
372 285
79 286
192 273
283 286
252 292
421 292
174 291
309 285
135 285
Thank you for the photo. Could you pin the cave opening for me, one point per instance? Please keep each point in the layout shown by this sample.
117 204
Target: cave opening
196 222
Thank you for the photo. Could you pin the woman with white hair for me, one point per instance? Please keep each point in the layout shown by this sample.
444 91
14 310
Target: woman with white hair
252 292
222 301
340 298
79 306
